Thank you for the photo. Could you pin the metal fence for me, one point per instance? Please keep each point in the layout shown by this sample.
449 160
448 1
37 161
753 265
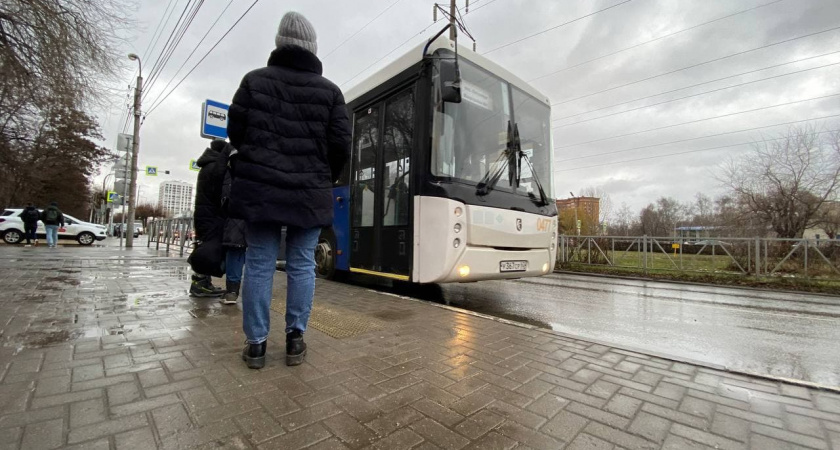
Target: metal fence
810 259
171 233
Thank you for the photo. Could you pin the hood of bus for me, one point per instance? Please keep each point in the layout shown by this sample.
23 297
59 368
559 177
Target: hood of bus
499 228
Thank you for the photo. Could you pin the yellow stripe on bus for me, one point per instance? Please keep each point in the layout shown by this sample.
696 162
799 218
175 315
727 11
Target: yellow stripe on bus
392 276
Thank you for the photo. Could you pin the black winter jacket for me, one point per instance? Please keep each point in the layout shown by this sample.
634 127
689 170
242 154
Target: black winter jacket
291 129
208 218
59 221
212 192
30 217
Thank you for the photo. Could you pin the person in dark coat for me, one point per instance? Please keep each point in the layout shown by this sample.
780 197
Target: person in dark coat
53 219
291 130
223 238
207 259
30 217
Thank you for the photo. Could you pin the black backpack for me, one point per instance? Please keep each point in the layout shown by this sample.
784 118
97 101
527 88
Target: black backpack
51 215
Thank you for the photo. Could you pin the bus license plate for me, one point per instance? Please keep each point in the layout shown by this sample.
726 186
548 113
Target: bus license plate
513 266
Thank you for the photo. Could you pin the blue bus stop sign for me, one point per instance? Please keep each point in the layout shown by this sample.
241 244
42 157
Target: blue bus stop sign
214 120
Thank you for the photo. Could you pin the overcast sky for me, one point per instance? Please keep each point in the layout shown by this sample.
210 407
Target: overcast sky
170 134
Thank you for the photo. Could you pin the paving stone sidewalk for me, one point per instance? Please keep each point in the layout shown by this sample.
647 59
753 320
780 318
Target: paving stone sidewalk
104 349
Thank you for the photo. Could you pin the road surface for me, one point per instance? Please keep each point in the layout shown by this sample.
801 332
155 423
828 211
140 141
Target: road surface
794 336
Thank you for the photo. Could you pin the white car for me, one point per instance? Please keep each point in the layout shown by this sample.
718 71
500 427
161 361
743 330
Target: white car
11 228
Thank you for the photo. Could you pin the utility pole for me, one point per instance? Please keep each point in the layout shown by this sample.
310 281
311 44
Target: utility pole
453 9
135 149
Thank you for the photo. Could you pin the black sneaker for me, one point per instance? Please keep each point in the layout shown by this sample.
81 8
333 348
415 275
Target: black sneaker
202 287
295 348
232 293
254 355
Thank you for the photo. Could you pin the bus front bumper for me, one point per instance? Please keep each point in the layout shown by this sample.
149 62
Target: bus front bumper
482 263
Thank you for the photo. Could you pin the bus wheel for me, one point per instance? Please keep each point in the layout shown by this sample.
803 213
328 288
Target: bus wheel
325 257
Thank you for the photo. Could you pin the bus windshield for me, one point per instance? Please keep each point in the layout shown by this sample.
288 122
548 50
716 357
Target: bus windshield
470 138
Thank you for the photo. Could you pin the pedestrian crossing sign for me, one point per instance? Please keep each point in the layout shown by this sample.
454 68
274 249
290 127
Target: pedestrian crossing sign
151 171
194 165
113 197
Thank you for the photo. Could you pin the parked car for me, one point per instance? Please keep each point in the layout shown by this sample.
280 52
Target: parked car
118 231
85 233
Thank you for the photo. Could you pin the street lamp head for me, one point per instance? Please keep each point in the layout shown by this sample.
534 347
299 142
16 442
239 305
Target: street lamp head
133 56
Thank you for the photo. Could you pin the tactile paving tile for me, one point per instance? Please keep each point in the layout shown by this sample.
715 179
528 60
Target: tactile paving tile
336 322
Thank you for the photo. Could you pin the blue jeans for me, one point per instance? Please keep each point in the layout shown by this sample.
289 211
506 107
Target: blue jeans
52 235
234 261
260 267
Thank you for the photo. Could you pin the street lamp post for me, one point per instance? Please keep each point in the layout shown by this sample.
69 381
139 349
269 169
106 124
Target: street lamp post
135 149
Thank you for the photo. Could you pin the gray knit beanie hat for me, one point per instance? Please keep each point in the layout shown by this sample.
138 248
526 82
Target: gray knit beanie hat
296 30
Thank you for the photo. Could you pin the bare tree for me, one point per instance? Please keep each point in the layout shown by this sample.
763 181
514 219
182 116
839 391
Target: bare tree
605 205
661 218
784 182
622 222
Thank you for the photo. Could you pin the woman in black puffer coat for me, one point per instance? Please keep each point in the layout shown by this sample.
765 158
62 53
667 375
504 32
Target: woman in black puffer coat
292 132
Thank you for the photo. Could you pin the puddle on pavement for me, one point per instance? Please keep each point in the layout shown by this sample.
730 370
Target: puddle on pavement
38 339
62 279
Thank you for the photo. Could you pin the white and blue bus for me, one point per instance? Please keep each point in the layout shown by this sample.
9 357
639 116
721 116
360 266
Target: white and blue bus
450 177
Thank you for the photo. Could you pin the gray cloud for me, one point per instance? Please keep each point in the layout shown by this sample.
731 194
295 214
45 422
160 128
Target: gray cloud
170 134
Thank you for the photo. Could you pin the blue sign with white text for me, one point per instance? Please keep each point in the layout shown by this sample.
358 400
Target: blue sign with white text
214 117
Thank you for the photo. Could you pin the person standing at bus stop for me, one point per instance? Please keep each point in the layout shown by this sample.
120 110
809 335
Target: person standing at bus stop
290 127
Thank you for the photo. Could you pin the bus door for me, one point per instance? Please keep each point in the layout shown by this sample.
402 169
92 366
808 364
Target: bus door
380 233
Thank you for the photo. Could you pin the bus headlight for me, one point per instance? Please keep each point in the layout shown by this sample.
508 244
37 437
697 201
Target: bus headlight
464 271
458 211
457 227
545 268
456 243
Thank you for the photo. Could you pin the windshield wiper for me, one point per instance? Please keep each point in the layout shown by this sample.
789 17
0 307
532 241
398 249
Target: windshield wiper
490 179
522 155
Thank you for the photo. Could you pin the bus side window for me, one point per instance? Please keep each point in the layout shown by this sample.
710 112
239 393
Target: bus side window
396 149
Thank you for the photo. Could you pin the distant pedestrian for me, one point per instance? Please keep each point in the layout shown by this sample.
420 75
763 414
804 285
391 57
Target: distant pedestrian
291 131
53 219
30 217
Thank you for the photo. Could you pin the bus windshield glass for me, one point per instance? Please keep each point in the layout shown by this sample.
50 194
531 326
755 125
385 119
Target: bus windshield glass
470 138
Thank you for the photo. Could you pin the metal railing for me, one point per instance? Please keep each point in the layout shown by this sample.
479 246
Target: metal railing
171 232
808 259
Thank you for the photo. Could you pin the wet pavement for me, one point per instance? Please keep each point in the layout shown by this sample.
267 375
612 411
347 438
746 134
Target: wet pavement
102 348
787 335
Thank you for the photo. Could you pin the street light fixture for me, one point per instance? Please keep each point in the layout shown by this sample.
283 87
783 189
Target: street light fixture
135 150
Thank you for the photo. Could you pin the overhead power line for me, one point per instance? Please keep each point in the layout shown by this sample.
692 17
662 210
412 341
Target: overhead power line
361 29
700 120
680 141
392 51
640 44
171 50
195 48
556 27
646 158
732 55
697 94
164 19
155 106
695 85
163 49
406 42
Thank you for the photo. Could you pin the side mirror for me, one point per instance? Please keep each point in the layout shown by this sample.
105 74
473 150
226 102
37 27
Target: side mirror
450 81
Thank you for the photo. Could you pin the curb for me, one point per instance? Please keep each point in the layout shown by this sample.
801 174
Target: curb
674 358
